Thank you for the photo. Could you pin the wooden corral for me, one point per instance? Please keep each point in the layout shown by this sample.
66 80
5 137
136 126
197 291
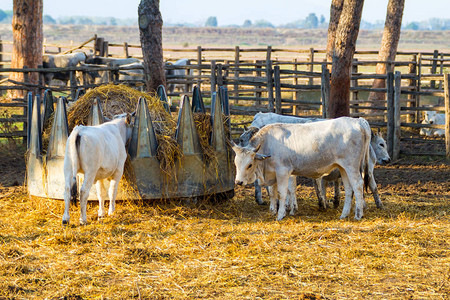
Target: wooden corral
284 81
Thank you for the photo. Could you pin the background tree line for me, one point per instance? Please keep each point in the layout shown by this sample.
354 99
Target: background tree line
312 21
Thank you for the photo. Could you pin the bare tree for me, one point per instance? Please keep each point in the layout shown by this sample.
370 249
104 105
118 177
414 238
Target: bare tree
335 14
28 35
344 49
150 28
389 44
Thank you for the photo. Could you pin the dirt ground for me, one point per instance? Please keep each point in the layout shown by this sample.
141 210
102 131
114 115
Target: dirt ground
233 249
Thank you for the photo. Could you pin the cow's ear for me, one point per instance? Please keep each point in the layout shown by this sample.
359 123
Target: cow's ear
261 156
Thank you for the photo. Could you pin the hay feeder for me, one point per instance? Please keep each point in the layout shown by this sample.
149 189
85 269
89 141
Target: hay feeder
193 175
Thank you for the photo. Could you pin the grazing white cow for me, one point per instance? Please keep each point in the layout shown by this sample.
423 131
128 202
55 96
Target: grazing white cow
378 151
99 153
177 72
433 118
61 61
311 150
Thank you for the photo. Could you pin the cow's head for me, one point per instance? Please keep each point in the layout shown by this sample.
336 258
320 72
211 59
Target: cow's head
379 146
246 162
129 121
247 135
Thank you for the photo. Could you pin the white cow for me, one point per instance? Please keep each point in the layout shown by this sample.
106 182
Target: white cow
99 153
177 72
61 61
433 118
378 151
312 150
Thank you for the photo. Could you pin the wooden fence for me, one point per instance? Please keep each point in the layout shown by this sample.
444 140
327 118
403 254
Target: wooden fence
290 82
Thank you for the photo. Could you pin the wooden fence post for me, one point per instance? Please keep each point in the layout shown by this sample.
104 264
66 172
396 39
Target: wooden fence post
390 113
219 75
213 76
412 83
311 66
397 108
295 95
270 98
105 48
73 84
258 64
434 68
237 57
419 83
447 113
125 50
325 89
199 65
354 83
277 80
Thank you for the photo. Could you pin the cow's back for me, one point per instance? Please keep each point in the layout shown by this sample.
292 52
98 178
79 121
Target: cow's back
311 149
102 148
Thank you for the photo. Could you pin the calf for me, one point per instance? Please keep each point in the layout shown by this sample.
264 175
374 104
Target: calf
433 118
312 150
99 153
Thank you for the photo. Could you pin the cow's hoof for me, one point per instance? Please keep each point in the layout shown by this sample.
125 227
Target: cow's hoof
358 214
65 222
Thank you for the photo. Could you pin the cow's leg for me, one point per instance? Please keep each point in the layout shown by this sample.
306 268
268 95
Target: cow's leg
282 186
319 186
273 193
292 198
337 192
357 183
69 184
113 186
348 195
84 193
258 194
374 190
101 195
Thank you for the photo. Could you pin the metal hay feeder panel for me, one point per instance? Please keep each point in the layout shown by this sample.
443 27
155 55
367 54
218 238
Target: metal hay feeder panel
195 177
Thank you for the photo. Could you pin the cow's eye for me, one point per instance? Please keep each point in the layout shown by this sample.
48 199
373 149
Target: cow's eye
249 166
382 145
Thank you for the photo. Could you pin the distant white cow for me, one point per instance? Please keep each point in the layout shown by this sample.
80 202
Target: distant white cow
61 61
433 118
311 150
178 72
99 153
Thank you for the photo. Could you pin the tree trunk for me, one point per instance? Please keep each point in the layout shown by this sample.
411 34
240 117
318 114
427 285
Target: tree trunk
28 35
335 14
344 49
389 44
150 28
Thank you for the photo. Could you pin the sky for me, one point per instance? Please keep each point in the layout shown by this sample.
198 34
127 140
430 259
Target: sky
236 11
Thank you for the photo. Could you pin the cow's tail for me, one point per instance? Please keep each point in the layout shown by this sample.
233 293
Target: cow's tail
364 166
74 145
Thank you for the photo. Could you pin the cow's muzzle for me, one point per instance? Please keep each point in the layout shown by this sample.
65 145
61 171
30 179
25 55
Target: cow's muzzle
238 182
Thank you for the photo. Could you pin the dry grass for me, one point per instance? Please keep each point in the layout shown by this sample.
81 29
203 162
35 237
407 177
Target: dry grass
232 249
